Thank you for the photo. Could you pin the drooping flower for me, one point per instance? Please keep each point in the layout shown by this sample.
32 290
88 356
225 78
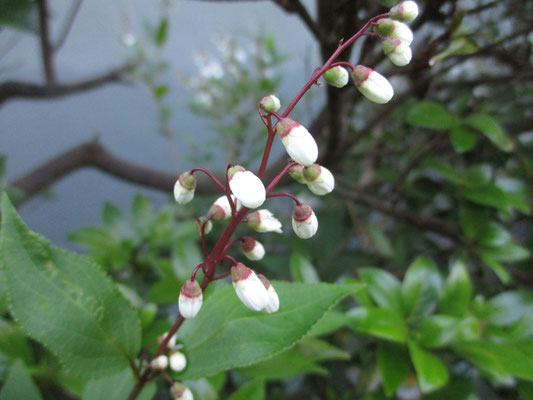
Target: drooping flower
298 142
336 76
160 362
391 28
180 392
220 209
252 249
397 51
184 188
270 104
246 187
190 299
249 288
319 179
406 11
264 221
177 361
374 86
273 304
304 221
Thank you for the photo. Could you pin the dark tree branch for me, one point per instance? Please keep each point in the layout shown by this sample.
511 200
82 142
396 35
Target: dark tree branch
47 51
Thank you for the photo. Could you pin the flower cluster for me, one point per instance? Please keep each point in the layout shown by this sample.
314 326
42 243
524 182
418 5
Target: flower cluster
174 358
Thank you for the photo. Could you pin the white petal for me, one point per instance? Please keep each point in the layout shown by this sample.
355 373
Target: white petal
252 292
273 304
307 228
181 194
257 253
324 184
248 189
177 361
377 88
301 146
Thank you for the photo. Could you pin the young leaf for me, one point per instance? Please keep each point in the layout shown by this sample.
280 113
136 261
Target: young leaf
462 139
383 323
19 384
76 312
489 127
457 291
427 114
225 334
431 373
383 287
393 365
255 389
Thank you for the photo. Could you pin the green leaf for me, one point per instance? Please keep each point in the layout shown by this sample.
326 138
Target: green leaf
383 323
486 195
525 389
13 343
393 365
330 322
496 267
142 214
445 171
255 389
20 14
302 270
19 384
383 287
458 46
160 91
431 373
427 114
381 241
457 291
76 312
462 139
162 32
508 307
227 335
437 330
321 350
420 288
479 175
489 127
116 387
524 326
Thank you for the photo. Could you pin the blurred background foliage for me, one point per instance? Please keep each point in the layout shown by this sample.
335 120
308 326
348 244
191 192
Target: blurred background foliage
432 209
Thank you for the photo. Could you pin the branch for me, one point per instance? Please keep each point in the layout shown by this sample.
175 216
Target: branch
47 51
67 25
13 89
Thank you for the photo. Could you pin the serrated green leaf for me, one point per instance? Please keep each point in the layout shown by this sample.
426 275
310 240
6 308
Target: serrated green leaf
19 384
457 291
393 365
383 323
430 115
302 270
225 334
116 387
489 127
431 373
77 312
462 139
255 389
383 287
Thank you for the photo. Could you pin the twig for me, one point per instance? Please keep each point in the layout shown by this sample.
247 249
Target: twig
47 51
67 25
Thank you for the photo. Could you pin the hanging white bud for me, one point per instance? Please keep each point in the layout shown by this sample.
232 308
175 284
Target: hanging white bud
406 11
264 221
296 173
319 179
177 361
252 249
298 142
190 299
220 209
246 187
273 303
390 28
184 188
160 362
398 51
270 104
336 76
249 288
374 86
304 221
180 392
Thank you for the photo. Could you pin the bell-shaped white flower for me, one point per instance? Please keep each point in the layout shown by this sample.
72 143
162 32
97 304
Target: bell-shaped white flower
337 76
390 28
319 179
252 249
298 142
264 221
160 362
184 188
177 361
269 104
180 392
304 221
221 209
273 304
249 288
398 51
190 299
374 86
246 187
406 11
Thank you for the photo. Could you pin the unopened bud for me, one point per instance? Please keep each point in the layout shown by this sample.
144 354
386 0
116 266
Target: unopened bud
180 392
220 209
298 142
304 221
190 299
296 173
249 288
398 52
336 76
390 28
270 104
252 249
160 362
319 179
246 187
171 342
406 11
374 86
177 361
273 303
184 188
264 221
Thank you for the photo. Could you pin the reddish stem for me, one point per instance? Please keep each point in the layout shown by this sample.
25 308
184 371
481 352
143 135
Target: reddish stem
278 177
268 147
343 64
209 174
285 195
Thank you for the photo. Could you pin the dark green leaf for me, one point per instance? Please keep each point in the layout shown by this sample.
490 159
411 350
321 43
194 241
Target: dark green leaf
254 389
19 384
13 343
486 195
381 241
77 312
462 139
393 364
525 389
430 115
457 291
444 170
116 387
431 373
383 323
496 267
478 175
489 127
383 287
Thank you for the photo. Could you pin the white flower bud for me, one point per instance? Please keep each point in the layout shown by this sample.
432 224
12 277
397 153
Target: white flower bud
398 51
390 28
406 11
184 188
249 288
264 221
374 86
304 221
273 304
208 224
160 362
270 104
172 341
298 142
177 361
252 249
246 187
221 209
190 299
336 76
181 392
319 179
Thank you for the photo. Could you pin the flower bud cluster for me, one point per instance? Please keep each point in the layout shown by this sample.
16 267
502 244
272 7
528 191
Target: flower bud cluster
175 359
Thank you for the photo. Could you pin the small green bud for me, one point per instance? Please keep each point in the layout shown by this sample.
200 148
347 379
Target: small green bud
270 104
336 76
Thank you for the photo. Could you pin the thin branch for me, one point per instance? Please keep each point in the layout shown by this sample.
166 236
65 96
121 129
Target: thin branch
67 24
47 51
